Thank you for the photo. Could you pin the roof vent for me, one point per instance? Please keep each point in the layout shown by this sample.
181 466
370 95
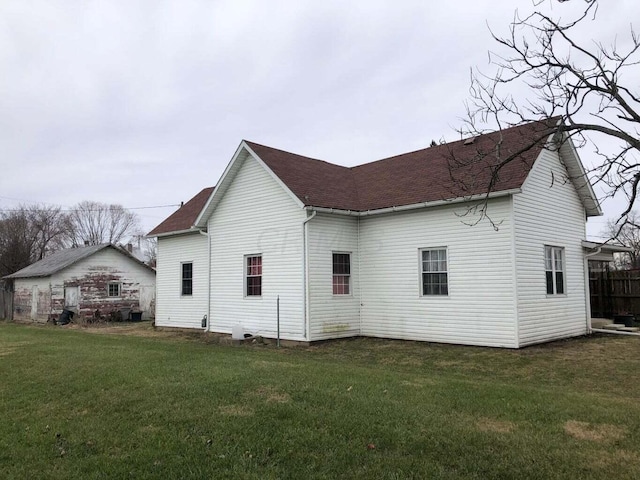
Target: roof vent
469 141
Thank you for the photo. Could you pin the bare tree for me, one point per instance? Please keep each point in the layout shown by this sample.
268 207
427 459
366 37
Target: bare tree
150 249
93 223
28 234
628 235
578 88
49 226
15 242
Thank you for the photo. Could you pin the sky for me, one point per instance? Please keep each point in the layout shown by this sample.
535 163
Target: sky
143 103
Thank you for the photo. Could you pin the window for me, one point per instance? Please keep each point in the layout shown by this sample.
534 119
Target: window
435 279
341 273
253 276
187 278
554 269
113 289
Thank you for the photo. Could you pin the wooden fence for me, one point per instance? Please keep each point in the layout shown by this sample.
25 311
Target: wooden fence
6 304
614 292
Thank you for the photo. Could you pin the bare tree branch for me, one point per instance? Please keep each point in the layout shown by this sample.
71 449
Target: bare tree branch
93 223
589 88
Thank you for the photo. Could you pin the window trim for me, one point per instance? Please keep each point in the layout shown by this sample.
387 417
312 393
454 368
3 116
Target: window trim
554 273
246 275
347 276
182 279
111 284
421 272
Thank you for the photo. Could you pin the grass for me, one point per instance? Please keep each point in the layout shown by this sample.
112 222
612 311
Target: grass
147 404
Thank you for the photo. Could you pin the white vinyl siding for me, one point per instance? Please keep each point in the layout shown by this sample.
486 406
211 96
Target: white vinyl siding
549 212
479 308
256 215
332 316
174 309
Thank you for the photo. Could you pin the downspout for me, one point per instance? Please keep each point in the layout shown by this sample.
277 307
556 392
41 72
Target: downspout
514 271
305 275
208 322
359 282
587 290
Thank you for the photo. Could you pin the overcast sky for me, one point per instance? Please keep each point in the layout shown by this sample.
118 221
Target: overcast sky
143 103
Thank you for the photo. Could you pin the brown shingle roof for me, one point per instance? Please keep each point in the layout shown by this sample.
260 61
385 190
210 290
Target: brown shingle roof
314 182
440 172
184 218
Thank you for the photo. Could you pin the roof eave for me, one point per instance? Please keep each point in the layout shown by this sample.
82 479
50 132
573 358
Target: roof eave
578 175
415 206
606 246
173 233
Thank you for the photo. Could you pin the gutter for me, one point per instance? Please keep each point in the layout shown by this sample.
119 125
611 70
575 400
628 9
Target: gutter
177 232
305 274
414 206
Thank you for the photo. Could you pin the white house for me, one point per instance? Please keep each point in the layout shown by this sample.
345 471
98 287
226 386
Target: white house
92 281
415 246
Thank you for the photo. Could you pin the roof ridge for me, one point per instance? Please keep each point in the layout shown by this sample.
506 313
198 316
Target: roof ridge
296 154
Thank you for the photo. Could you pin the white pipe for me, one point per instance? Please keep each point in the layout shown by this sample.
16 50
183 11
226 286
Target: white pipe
305 274
617 332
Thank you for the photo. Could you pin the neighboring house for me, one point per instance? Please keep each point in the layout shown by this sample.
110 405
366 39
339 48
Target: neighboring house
99 279
385 249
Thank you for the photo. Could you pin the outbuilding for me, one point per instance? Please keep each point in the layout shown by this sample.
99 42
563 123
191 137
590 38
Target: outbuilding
94 282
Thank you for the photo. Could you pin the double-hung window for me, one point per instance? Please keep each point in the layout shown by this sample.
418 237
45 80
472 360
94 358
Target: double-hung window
341 273
187 278
253 275
554 269
435 276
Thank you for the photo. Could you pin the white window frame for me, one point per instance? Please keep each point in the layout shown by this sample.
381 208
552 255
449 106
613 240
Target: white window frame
182 279
346 276
246 275
424 272
112 284
554 264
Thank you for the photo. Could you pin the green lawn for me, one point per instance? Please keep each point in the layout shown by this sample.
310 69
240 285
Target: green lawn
76 404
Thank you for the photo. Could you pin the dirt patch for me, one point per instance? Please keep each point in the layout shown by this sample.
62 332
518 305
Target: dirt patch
486 424
273 395
267 364
7 350
235 410
149 429
11 348
594 432
603 460
416 362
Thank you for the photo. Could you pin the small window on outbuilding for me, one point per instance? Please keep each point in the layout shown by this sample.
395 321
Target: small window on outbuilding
113 290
